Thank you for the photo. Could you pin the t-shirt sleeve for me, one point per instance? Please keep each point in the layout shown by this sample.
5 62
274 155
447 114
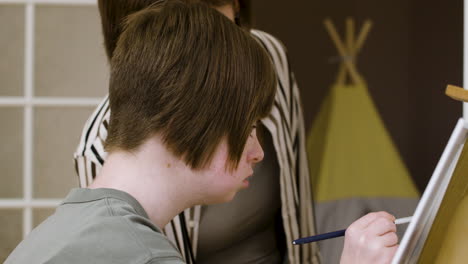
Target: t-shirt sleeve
167 260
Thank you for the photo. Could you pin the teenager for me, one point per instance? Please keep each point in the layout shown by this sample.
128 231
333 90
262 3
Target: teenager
280 188
182 132
222 230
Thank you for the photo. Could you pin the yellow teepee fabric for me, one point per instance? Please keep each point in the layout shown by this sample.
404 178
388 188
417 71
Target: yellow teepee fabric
351 153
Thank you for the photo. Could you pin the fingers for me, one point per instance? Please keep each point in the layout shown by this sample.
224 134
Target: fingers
381 226
371 239
366 220
380 233
389 239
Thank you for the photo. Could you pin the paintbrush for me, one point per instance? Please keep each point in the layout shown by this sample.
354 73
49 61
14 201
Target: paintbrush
339 233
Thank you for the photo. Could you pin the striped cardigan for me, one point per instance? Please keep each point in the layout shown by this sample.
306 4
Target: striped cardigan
286 125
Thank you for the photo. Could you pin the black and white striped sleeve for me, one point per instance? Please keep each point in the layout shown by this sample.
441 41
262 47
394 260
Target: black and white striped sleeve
90 154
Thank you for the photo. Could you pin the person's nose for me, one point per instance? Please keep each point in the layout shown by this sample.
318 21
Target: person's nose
257 153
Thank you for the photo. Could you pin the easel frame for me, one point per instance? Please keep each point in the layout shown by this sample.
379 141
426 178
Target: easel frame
416 234
413 241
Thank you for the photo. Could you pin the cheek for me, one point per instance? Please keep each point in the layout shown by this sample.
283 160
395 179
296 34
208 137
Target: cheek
225 186
220 157
222 186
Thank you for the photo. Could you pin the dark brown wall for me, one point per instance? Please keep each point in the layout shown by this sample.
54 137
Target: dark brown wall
413 50
436 59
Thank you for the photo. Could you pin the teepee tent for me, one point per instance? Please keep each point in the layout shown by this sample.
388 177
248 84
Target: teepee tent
355 166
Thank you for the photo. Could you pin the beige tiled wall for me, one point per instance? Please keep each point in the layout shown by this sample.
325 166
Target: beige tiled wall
69 61
70 58
11 50
56 134
10 231
11 152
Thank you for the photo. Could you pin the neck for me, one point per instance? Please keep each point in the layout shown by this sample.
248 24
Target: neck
154 177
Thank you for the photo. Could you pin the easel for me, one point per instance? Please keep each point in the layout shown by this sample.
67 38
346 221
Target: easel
414 240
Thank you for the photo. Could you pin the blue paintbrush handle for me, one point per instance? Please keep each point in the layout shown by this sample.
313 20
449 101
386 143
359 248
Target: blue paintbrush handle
319 237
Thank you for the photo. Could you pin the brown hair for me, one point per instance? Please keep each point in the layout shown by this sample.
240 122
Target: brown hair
114 12
185 71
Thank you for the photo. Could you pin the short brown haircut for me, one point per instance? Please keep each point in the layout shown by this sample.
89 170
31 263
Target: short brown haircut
185 71
114 12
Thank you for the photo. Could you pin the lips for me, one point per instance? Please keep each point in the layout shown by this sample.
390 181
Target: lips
245 182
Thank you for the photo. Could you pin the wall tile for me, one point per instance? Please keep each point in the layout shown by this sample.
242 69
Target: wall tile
57 132
70 58
10 231
11 50
11 152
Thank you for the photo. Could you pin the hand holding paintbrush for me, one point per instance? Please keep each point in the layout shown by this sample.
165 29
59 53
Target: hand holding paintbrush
370 239
339 233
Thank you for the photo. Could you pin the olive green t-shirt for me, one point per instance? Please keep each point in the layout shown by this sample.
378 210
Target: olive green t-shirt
97 226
